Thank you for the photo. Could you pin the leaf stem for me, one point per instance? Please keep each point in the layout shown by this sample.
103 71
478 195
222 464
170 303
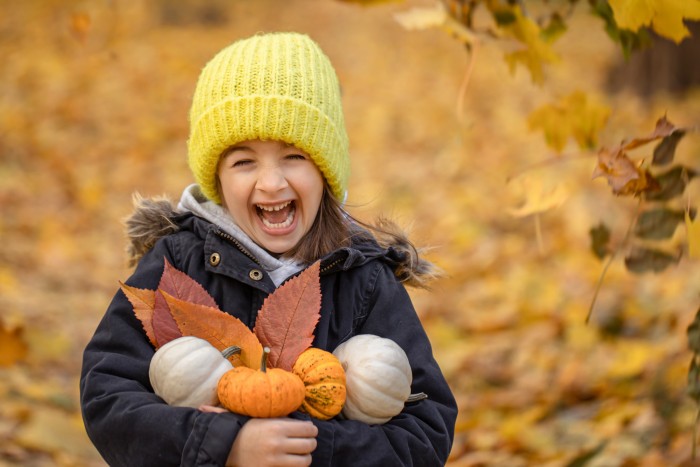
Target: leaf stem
622 244
465 81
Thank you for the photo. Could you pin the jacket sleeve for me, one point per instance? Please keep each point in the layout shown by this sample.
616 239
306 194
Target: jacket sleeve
423 432
126 421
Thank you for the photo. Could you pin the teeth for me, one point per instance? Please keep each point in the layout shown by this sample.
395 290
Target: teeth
273 208
281 225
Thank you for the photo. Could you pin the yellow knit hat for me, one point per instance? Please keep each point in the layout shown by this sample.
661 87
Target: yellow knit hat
276 86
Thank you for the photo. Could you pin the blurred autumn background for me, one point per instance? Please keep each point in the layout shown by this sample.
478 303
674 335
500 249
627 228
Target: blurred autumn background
93 107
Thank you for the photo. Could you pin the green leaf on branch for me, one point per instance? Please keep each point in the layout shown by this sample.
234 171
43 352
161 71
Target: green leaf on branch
694 379
600 240
671 183
658 224
665 151
694 334
641 260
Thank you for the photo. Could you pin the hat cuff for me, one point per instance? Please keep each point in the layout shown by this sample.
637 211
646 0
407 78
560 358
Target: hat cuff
279 118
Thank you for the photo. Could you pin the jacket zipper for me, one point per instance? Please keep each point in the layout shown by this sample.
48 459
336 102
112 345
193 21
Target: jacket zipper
231 239
330 266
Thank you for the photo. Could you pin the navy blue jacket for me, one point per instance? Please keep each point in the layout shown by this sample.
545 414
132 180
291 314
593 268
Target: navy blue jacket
131 426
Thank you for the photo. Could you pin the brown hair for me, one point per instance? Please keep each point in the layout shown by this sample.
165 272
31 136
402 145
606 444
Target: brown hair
330 231
334 228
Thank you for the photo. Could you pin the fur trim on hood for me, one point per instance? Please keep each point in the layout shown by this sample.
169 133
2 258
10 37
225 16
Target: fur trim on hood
154 218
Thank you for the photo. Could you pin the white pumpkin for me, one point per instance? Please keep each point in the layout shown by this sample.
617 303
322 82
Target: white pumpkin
185 372
378 378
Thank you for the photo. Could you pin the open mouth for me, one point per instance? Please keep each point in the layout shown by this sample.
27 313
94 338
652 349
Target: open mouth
276 216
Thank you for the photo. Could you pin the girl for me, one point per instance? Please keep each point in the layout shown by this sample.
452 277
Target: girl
269 152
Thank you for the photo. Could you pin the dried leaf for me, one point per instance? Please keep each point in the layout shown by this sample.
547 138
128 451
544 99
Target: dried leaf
623 175
584 458
13 347
144 302
663 129
180 285
288 317
220 329
165 328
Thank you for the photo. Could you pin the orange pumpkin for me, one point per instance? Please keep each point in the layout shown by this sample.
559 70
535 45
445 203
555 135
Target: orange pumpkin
263 393
324 379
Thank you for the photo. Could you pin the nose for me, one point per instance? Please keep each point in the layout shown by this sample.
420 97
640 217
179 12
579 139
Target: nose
271 178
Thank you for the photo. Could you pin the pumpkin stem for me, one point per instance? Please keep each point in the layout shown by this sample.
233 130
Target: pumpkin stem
228 351
419 396
263 361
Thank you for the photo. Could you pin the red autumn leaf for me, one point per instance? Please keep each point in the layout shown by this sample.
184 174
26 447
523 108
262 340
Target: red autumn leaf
164 326
180 285
217 327
144 302
288 318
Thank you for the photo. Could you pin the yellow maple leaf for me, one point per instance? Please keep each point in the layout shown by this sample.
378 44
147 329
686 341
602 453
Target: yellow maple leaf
576 116
665 16
536 53
693 227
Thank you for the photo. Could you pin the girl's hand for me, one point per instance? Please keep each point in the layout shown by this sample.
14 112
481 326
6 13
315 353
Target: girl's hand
273 442
212 409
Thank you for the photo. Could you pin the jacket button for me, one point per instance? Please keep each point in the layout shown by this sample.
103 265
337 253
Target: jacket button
255 274
215 259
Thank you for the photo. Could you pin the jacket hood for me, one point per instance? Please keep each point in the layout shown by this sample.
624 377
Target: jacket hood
154 218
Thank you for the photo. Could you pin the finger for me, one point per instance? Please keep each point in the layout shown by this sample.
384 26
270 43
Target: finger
300 429
299 446
211 409
293 460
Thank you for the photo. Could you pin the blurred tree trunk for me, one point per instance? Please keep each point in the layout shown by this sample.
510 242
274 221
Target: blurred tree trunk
664 66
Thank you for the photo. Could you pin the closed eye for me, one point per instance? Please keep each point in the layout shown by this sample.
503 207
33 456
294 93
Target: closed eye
241 163
296 157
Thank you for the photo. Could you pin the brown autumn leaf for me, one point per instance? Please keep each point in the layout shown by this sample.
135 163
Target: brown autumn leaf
288 317
623 175
144 302
663 129
220 329
165 328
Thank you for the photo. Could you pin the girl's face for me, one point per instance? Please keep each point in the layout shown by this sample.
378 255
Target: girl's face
272 190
